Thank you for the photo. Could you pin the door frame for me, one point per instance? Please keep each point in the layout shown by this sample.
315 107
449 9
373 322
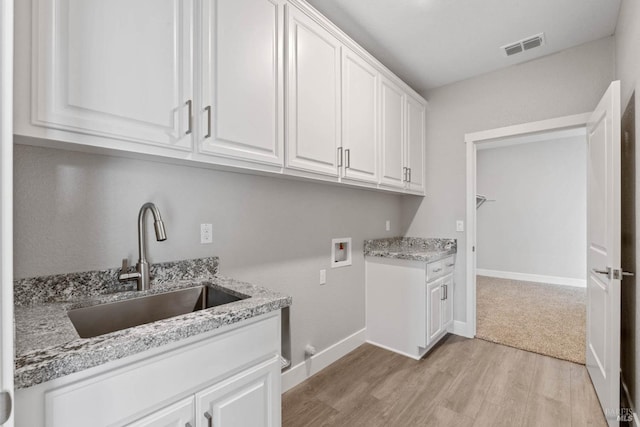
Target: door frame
6 202
472 141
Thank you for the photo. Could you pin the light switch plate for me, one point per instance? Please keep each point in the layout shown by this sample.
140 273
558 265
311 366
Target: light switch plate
459 225
323 276
387 225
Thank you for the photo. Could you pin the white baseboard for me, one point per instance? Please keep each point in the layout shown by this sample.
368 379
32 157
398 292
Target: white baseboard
636 420
462 329
395 351
538 278
314 364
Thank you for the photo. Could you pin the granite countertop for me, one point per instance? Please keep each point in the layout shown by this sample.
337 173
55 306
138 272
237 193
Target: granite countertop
48 346
411 248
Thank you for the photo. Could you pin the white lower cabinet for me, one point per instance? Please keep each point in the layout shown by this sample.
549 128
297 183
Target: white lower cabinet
409 304
251 398
232 373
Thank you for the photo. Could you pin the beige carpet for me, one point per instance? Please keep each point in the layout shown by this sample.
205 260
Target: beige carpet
545 319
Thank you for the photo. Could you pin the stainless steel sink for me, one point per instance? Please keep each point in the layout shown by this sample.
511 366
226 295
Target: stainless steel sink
104 318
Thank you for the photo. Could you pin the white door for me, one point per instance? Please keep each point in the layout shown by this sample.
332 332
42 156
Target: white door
435 295
6 210
313 109
251 398
359 118
117 68
392 100
242 80
447 302
603 253
416 116
177 415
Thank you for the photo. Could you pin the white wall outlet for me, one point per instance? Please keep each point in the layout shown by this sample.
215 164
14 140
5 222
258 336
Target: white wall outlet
459 225
323 277
387 225
206 233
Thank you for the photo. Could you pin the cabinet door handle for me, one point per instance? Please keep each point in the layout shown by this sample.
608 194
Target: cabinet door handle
208 110
446 291
409 170
339 157
187 425
437 270
209 418
404 174
347 155
190 119
451 265
442 292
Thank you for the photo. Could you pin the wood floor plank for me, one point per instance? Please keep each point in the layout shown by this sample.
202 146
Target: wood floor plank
585 408
461 382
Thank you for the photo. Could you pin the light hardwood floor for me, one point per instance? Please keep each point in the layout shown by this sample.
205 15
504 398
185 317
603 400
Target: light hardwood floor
462 382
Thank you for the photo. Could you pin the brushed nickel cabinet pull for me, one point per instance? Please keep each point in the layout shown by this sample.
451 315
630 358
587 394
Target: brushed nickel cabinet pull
208 110
209 418
190 120
347 154
339 157
404 174
409 170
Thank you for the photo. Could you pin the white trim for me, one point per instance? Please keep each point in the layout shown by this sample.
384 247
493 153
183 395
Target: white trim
636 420
6 201
462 329
473 140
538 278
318 362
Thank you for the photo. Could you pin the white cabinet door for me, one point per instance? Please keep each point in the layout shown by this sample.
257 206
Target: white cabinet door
313 109
447 302
434 304
179 414
392 100
415 144
241 115
359 118
119 68
251 398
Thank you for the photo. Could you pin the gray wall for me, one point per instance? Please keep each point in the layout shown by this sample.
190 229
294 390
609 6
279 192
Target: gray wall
569 82
78 212
628 72
538 223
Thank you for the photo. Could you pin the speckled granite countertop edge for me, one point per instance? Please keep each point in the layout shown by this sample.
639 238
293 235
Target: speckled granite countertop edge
432 256
411 248
48 347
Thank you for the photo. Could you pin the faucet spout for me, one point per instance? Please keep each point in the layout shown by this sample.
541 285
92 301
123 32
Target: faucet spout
141 276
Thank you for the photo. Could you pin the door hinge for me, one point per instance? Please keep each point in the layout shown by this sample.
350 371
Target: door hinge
5 406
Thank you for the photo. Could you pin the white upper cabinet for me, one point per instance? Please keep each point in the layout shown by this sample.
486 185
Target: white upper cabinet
264 85
241 113
415 144
102 72
313 109
359 118
392 106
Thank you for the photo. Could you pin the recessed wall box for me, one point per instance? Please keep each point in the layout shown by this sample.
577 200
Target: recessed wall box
340 252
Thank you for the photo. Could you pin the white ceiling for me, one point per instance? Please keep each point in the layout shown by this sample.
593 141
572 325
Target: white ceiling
430 43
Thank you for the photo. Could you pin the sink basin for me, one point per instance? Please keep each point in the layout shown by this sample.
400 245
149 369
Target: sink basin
104 318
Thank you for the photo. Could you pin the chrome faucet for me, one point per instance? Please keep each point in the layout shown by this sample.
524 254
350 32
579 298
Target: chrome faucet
141 276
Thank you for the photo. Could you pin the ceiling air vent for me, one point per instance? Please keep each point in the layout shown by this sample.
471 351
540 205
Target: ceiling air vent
524 44
512 49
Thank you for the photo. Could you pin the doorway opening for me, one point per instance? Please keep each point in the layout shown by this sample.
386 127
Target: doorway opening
531 242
